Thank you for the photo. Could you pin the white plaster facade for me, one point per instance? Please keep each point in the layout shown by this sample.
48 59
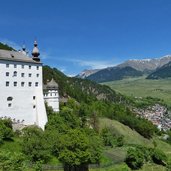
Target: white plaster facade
21 89
51 95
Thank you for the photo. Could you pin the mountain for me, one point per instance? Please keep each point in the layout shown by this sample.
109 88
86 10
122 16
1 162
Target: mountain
87 73
147 65
114 73
162 72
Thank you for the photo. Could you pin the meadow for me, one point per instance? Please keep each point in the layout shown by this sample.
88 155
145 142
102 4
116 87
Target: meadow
141 87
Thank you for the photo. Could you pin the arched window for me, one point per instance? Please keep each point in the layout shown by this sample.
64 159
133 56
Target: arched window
9 98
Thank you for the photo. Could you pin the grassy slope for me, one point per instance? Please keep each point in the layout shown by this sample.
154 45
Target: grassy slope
130 137
141 87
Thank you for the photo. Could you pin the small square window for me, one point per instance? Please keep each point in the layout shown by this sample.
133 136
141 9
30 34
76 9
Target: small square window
7 74
9 104
29 84
7 65
36 84
22 84
7 83
15 74
34 97
29 75
29 66
37 67
22 66
22 74
34 106
37 75
15 84
15 65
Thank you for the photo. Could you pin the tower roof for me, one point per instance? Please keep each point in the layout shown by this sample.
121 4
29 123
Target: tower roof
35 52
24 50
52 84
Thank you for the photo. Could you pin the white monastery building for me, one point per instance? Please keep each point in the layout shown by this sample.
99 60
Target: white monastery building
21 88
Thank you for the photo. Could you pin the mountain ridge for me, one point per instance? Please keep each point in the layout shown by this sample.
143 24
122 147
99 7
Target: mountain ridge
161 73
114 73
146 66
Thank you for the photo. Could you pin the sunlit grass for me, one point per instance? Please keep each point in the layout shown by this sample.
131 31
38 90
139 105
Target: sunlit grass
141 87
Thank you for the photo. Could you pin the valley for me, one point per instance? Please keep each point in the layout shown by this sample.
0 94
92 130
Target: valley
140 87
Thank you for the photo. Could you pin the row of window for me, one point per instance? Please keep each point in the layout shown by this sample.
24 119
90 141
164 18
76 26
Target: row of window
22 74
10 105
22 66
11 98
15 84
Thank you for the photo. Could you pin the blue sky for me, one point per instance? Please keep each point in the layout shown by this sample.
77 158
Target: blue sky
74 35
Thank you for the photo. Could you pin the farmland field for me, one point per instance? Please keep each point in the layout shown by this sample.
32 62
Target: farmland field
141 87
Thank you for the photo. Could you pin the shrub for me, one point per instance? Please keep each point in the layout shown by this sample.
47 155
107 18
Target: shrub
134 158
12 162
35 145
6 131
110 138
158 157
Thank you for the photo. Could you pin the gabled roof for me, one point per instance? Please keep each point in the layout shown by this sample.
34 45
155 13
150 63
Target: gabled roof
15 56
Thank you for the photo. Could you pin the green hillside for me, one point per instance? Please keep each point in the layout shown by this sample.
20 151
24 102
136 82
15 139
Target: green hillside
5 47
113 157
141 87
130 136
80 89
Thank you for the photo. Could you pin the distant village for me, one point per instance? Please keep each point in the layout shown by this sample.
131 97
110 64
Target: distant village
157 114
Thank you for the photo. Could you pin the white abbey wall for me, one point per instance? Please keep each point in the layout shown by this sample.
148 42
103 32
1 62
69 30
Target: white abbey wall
25 88
52 99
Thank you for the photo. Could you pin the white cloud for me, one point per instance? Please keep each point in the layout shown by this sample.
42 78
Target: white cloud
44 55
94 64
62 69
10 43
71 75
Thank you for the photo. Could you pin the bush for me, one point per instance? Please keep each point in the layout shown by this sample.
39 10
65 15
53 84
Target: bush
107 137
158 157
6 131
134 158
35 145
120 141
12 161
110 138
